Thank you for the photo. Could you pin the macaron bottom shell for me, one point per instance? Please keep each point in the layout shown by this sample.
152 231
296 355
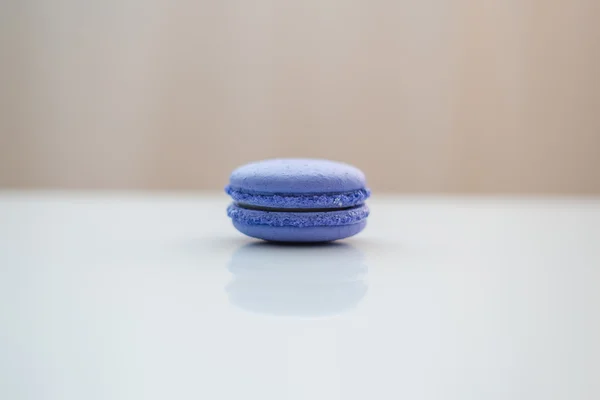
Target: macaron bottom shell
291 234
297 218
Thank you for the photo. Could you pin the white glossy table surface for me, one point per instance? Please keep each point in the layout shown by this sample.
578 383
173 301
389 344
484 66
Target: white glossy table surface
121 296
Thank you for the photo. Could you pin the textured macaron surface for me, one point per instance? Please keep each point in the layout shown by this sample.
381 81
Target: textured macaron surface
296 176
307 200
298 219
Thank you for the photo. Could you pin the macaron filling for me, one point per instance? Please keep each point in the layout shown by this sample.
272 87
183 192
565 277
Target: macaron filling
299 201
298 219
275 209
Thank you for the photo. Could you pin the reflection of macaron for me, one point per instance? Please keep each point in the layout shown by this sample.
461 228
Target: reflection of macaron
298 200
297 281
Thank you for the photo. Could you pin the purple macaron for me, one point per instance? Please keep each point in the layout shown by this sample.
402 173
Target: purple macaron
298 200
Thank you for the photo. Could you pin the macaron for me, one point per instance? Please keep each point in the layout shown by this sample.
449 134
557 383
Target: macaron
298 200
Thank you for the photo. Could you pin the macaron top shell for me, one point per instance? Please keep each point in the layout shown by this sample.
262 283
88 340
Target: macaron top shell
296 176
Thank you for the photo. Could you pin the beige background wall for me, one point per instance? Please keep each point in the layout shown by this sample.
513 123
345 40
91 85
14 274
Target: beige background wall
425 96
